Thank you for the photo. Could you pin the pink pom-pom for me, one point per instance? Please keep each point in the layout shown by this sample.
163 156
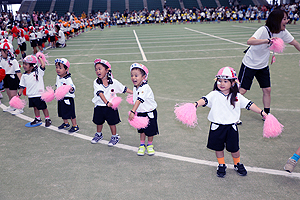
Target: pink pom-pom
116 102
272 127
129 99
17 103
38 54
186 113
62 91
48 95
277 45
139 122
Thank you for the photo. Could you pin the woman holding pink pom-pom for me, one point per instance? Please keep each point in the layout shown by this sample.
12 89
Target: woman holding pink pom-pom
105 90
225 105
255 62
144 107
33 81
65 90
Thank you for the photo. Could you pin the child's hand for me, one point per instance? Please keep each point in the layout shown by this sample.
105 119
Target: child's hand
109 104
131 116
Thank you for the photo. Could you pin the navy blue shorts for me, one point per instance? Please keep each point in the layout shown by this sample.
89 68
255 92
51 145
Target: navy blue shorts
152 128
246 76
66 108
104 113
223 135
23 46
33 43
37 102
11 81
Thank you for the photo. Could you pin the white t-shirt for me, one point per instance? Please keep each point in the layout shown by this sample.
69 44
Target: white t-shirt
10 69
109 92
257 56
66 80
62 39
34 88
145 95
222 112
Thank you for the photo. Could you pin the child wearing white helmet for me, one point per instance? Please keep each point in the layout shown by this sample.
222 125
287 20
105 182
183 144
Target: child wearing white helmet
145 106
225 105
33 81
12 71
66 106
105 89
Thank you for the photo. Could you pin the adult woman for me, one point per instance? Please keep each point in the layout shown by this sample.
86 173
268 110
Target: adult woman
256 59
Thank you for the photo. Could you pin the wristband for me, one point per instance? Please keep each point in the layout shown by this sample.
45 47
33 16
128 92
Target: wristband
269 41
19 94
196 104
132 111
261 112
107 103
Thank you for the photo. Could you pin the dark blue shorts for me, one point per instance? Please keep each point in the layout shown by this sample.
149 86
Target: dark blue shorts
37 102
246 76
104 113
11 81
152 128
221 136
66 108
33 43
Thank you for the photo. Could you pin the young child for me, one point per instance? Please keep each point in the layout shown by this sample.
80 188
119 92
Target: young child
145 106
32 79
226 103
292 161
33 39
105 89
66 106
13 74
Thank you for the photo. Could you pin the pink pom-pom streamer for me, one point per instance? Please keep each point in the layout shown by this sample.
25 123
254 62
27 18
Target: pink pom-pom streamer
277 45
62 91
272 127
48 95
129 99
138 122
17 103
116 102
38 54
186 113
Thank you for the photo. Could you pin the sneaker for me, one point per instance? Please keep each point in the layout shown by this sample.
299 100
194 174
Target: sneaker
97 138
9 109
35 121
17 111
113 140
48 122
150 150
221 171
74 129
240 169
290 165
64 126
141 150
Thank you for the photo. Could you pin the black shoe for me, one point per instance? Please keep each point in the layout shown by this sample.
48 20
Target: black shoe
221 171
35 121
74 129
48 122
64 126
240 169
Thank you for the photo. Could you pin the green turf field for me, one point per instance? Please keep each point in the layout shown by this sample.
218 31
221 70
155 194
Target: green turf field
42 163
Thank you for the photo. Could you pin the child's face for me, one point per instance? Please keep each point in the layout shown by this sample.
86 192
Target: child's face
4 53
137 77
101 71
27 67
60 69
284 21
224 85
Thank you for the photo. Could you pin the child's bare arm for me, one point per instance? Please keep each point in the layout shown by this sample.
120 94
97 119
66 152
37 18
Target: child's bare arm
108 104
42 62
129 91
132 112
256 109
200 102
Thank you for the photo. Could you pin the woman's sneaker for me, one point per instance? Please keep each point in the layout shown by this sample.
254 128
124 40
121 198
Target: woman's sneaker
141 150
221 171
150 150
290 165
114 140
97 138
64 126
240 169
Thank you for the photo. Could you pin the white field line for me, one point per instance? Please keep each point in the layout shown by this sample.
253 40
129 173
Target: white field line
216 37
140 46
165 155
